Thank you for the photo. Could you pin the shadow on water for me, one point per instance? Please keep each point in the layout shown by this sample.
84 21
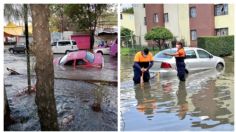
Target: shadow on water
203 102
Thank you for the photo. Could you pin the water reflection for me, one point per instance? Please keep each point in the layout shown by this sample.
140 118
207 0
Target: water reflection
146 103
181 96
203 102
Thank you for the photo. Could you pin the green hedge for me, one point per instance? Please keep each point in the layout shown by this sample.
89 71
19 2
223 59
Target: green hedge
219 46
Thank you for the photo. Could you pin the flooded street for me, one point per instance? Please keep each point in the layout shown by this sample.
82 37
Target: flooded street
204 102
74 96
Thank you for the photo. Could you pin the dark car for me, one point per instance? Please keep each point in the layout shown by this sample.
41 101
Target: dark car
17 49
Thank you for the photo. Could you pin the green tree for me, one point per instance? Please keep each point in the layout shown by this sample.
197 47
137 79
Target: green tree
58 21
126 36
159 35
86 16
128 10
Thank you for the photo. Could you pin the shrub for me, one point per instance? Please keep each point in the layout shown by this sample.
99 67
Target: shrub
219 46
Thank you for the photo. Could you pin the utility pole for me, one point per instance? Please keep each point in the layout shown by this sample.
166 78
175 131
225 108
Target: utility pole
27 45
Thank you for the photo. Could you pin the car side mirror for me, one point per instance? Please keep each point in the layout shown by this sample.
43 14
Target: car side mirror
210 56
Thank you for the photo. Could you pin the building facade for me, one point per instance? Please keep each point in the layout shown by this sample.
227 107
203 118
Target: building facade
140 23
127 21
189 21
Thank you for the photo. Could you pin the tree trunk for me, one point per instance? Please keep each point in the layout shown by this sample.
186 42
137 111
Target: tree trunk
7 113
27 45
91 39
45 99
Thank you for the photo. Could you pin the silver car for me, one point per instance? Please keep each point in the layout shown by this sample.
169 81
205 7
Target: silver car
197 59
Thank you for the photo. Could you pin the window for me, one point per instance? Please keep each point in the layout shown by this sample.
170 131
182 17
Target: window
203 54
69 63
166 18
193 34
155 18
90 57
143 5
121 16
221 31
145 21
162 55
74 43
221 9
190 54
80 62
193 12
64 43
54 44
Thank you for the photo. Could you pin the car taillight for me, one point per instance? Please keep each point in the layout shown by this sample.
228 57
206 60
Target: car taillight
165 65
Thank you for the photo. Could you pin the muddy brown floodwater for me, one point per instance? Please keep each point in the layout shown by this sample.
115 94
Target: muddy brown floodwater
74 99
205 102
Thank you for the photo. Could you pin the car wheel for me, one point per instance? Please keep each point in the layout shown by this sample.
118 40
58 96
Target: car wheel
219 67
11 51
100 52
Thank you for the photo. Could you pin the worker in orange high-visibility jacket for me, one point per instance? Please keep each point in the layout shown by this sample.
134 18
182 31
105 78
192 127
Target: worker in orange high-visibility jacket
179 57
143 61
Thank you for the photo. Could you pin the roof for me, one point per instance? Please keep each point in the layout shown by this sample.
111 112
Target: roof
12 29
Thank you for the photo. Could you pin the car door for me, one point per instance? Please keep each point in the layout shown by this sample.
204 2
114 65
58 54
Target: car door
63 46
74 45
204 59
107 49
191 61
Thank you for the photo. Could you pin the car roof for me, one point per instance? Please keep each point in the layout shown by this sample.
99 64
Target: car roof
64 40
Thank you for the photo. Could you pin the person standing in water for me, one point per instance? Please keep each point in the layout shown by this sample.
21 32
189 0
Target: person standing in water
143 61
179 57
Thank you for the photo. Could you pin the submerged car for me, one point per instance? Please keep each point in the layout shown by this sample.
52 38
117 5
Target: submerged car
81 57
196 60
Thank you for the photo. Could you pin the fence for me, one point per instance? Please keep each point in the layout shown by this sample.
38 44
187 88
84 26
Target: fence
136 43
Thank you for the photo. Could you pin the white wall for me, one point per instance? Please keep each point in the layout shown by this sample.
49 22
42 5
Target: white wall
140 28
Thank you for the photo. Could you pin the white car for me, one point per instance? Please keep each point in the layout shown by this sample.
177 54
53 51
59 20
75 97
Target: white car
196 60
105 50
64 46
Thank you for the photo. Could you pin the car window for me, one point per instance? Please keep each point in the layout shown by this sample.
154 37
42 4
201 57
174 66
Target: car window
69 63
74 43
90 57
64 43
54 44
190 54
80 62
161 54
63 59
203 54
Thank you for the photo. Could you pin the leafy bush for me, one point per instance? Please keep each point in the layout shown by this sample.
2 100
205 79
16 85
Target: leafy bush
219 46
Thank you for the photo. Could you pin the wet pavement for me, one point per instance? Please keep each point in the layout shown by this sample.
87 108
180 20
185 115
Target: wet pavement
74 99
204 102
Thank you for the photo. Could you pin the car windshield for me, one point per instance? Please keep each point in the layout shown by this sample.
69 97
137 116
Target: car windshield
161 54
90 57
63 59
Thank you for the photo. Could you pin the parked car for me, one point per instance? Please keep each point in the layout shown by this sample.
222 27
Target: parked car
81 57
64 46
18 48
197 59
114 48
104 50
